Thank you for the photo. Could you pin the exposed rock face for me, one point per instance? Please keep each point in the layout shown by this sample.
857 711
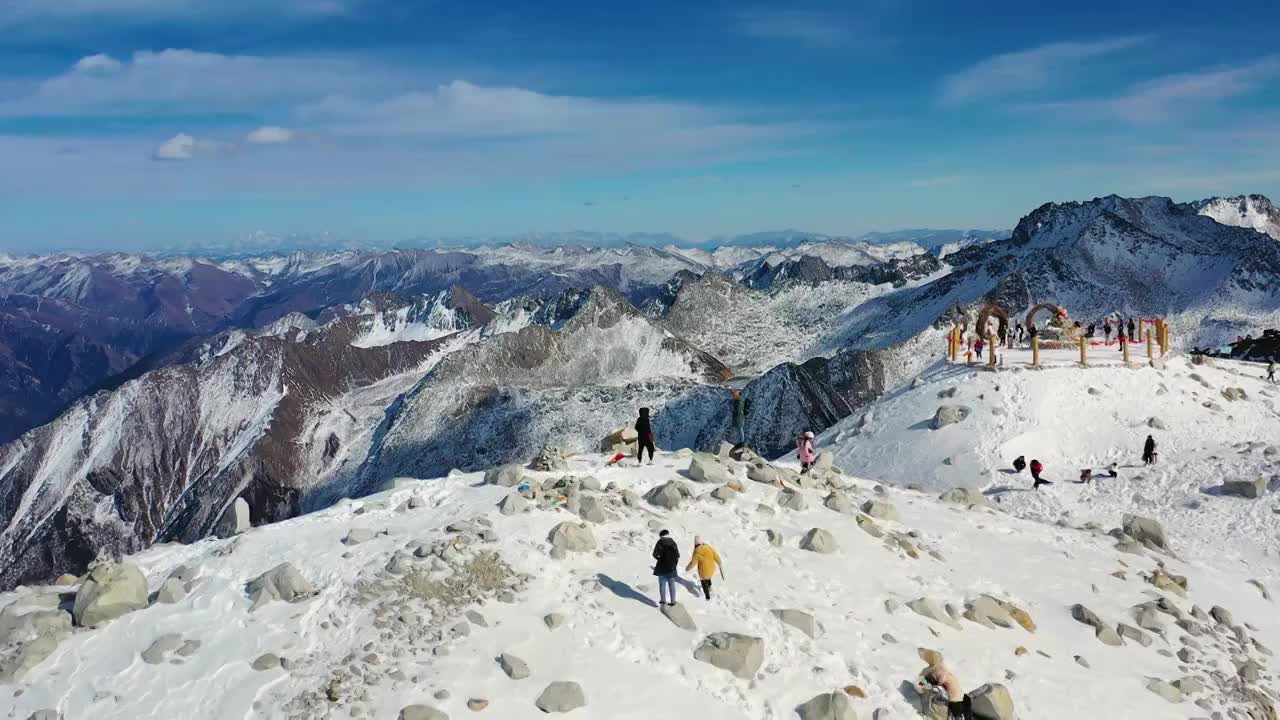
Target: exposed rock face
573 537
1147 531
670 495
705 468
167 453
508 475
1249 489
993 702
965 496
949 415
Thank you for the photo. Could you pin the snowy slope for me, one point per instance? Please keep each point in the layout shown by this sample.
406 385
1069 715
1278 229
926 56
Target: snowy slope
1071 418
1249 211
370 643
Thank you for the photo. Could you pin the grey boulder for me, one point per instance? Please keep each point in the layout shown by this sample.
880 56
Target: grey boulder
819 541
574 537
282 582
514 667
111 590
739 654
504 475
949 415
992 702
799 620
880 510
828 706
670 495
561 696
422 712
705 468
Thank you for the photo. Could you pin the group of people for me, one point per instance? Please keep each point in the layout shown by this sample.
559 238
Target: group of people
1149 457
666 555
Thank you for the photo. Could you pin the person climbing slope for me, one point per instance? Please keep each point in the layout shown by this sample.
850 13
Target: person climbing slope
667 555
804 450
644 436
959 705
1036 469
741 409
1149 451
707 560
1271 371
1020 463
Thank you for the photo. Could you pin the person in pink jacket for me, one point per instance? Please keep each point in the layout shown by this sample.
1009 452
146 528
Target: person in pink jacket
804 448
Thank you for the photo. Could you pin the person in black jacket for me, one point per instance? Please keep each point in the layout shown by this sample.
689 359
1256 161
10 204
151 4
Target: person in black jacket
667 555
1149 451
644 436
1020 463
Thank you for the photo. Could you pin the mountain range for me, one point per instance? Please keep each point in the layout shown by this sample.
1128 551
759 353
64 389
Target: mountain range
143 396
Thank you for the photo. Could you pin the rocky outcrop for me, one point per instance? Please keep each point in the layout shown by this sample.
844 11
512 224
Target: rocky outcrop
281 583
828 706
819 541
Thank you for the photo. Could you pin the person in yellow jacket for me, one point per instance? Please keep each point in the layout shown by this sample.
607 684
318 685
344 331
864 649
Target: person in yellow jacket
707 560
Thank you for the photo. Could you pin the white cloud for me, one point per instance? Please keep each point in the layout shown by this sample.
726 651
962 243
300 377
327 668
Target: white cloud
190 81
269 135
96 63
790 25
177 148
1167 97
1026 70
182 147
60 15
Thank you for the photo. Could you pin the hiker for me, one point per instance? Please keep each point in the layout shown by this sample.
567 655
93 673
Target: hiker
667 554
804 449
1020 463
707 560
1106 330
1149 451
1086 476
1022 332
977 347
1132 334
959 706
1113 470
741 409
1089 331
1271 371
644 436
1036 469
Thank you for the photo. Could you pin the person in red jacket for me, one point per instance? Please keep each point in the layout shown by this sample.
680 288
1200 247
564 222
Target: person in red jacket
1036 469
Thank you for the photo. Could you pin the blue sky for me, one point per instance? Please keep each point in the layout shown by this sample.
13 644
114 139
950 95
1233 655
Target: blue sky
135 124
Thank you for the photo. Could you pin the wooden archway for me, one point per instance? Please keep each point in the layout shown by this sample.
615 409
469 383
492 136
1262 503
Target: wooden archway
989 311
1054 308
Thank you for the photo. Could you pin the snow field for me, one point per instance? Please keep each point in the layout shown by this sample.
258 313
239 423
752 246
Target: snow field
630 660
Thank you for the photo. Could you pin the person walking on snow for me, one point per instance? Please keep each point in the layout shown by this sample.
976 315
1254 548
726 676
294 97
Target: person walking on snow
667 555
1021 333
977 347
804 450
1106 330
1036 469
1149 451
1020 463
1132 330
707 560
1271 371
644 436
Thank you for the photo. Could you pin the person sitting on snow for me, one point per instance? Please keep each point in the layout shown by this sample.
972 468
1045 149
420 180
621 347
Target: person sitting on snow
1020 463
1113 470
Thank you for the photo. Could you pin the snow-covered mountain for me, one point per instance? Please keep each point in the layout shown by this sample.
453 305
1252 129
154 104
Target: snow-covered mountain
163 456
1143 256
338 371
515 593
1251 211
